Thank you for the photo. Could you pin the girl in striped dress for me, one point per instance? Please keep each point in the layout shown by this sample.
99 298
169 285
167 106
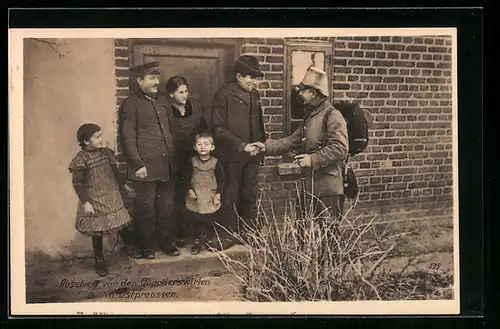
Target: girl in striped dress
98 185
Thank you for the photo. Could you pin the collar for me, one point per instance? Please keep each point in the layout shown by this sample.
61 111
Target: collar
208 159
243 95
320 107
146 96
188 108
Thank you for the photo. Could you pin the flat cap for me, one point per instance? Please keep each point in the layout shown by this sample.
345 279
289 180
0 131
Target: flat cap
146 68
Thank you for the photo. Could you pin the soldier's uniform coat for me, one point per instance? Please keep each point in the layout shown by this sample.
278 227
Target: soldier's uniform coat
327 144
148 138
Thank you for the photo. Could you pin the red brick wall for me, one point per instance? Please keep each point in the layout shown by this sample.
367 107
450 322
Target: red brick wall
404 83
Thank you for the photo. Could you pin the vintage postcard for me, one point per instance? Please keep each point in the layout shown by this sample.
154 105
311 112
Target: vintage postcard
233 171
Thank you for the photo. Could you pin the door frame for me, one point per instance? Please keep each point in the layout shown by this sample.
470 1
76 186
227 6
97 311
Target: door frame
234 43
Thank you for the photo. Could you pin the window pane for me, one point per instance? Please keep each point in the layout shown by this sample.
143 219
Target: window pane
301 61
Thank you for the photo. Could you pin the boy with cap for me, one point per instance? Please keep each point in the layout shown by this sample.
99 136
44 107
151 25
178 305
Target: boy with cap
147 140
237 122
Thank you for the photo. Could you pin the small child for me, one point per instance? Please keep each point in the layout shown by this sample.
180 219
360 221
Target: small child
97 184
204 182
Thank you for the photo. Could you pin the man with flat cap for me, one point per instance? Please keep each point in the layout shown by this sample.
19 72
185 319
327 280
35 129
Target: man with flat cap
322 139
237 122
147 138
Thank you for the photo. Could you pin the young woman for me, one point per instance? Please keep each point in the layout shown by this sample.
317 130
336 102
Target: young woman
190 120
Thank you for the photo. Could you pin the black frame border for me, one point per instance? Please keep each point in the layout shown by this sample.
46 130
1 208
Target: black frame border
469 24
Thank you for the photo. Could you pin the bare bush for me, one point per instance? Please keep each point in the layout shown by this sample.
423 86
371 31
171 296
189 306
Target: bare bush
306 255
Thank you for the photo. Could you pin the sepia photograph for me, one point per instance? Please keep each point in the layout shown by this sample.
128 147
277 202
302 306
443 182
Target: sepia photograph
258 170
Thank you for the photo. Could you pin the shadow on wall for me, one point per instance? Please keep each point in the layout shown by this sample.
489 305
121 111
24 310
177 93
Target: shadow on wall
67 82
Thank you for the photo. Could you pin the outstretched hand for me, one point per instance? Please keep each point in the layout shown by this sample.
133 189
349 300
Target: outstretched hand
251 149
261 146
255 148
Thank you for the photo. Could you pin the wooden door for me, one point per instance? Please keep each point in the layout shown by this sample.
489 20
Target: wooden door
206 64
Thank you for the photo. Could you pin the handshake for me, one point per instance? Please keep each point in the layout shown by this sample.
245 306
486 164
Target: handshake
255 148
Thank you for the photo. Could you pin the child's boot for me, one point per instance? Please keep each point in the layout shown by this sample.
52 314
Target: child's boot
100 265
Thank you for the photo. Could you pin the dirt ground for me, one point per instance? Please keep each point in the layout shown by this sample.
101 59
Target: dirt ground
428 248
220 288
76 281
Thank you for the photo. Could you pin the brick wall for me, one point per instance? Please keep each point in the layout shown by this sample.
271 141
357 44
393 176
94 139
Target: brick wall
122 65
404 83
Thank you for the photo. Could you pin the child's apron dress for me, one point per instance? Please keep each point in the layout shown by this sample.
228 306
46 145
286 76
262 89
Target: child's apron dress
103 191
204 184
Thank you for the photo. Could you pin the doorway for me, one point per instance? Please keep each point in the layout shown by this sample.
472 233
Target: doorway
205 63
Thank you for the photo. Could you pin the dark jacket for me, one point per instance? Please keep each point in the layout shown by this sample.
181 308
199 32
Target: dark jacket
199 123
236 121
327 144
147 136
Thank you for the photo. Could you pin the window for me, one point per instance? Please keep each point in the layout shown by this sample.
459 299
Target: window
299 56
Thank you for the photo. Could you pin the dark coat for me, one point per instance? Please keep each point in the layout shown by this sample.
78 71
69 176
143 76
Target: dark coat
184 147
148 136
328 148
236 121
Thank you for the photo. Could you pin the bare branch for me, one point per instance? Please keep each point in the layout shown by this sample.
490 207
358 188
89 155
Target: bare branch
371 271
408 264
358 272
53 45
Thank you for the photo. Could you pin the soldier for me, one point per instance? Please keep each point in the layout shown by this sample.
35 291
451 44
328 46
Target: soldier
147 138
322 139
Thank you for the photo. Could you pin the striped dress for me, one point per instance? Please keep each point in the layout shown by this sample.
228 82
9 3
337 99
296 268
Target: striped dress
96 179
